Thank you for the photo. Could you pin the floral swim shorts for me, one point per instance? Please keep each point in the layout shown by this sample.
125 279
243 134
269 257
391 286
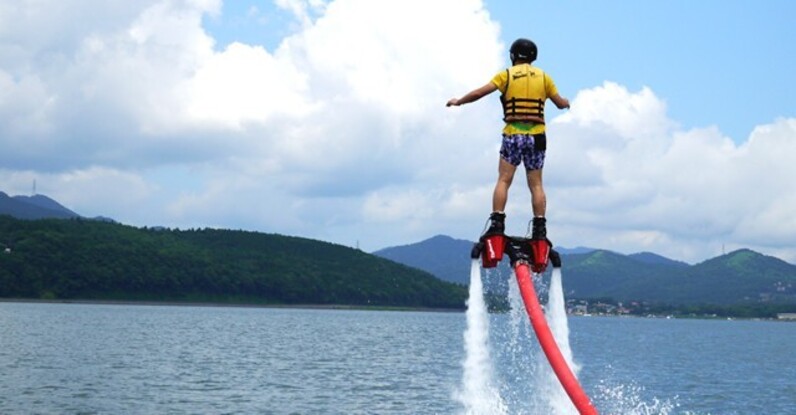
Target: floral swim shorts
526 148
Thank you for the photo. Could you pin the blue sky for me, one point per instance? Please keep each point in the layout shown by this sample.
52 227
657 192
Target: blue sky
724 63
326 119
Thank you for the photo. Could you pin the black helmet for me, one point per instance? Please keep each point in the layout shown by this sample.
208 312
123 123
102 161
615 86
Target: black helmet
523 49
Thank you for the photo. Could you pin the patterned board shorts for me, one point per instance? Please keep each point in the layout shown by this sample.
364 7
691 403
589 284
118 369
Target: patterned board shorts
526 148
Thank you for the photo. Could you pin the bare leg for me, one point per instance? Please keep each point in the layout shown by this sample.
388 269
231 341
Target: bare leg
505 175
538 198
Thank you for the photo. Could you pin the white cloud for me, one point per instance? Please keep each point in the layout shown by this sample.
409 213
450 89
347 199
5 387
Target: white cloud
341 133
682 193
244 84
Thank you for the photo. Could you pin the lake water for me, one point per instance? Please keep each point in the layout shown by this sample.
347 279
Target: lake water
125 359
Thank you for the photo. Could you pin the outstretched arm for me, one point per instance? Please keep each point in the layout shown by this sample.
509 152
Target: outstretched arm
473 95
560 101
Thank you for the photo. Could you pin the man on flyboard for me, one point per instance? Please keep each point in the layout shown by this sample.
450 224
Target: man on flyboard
524 90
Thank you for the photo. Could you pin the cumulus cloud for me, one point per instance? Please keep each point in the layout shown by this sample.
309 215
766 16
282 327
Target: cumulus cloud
626 172
340 132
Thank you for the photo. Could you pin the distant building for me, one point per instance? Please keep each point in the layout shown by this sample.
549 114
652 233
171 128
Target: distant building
580 310
786 316
7 250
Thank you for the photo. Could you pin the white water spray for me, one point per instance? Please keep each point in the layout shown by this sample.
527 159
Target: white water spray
543 394
556 315
478 394
556 312
523 382
521 392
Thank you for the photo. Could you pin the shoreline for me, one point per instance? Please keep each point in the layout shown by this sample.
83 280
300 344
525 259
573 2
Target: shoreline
172 303
348 307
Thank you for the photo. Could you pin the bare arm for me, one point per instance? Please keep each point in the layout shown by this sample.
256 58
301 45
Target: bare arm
560 101
473 95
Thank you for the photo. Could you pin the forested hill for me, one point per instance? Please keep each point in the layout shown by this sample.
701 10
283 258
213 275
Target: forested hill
92 260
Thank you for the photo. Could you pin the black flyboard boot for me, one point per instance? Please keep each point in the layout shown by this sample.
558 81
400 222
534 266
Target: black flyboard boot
497 224
539 228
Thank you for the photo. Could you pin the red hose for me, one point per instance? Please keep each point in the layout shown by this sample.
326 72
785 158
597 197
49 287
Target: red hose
548 343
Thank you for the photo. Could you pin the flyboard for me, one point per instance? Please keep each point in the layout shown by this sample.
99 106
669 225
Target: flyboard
526 256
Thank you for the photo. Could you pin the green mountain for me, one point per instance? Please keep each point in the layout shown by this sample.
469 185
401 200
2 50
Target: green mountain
653 258
86 259
605 274
740 277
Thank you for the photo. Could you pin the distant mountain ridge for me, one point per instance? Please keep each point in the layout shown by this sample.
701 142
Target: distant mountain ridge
38 206
652 258
446 257
33 207
442 256
742 276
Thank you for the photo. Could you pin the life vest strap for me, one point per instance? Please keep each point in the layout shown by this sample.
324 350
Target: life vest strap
523 110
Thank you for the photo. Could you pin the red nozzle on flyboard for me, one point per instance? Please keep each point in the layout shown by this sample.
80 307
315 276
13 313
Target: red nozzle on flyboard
490 249
541 254
493 250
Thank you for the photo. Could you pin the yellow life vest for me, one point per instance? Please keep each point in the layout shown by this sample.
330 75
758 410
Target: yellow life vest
525 95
